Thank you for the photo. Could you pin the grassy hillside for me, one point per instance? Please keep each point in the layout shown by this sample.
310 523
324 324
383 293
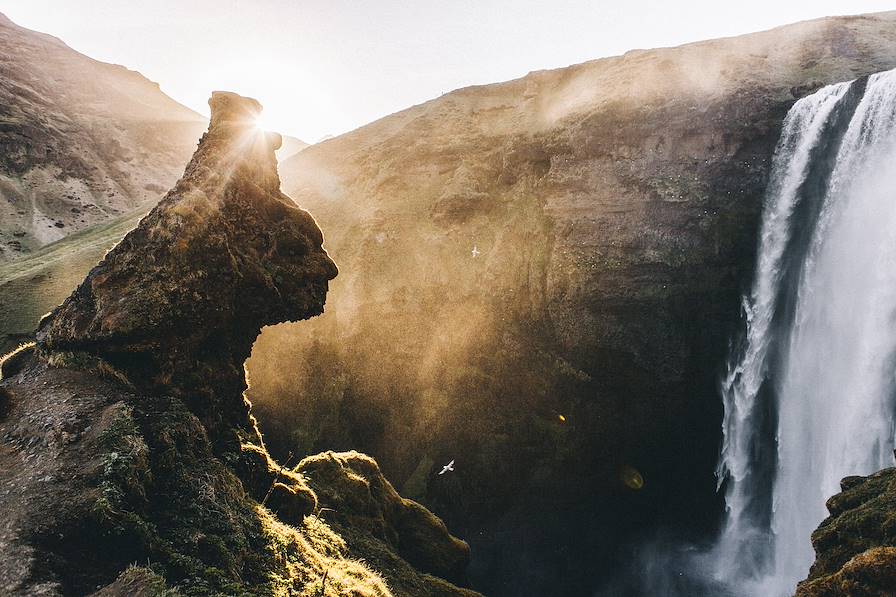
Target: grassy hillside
31 286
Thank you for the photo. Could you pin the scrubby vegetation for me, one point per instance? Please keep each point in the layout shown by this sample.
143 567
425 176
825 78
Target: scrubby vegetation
138 581
203 532
869 574
10 362
856 545
146 487
139 441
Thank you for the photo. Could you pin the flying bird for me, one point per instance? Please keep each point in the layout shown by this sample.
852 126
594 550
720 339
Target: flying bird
447 467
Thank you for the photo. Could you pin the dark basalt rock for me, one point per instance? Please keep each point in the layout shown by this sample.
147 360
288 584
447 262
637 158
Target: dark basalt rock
178 303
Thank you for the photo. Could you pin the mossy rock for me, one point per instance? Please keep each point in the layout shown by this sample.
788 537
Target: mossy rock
856 545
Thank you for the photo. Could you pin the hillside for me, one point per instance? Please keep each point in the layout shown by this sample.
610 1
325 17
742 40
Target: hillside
540 281
291 146
81 141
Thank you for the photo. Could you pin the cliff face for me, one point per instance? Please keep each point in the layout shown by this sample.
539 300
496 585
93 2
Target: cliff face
126 437
543 278
81 141
856 545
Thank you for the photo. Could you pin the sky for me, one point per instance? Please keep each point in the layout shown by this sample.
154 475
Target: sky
324 67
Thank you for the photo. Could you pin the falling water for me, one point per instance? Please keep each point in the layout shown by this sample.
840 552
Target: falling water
810 395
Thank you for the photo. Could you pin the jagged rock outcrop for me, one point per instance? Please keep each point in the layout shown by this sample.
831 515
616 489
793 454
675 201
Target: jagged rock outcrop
574 243
125 437
855 546
81 141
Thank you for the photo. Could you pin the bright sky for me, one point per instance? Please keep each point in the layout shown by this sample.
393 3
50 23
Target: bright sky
324 67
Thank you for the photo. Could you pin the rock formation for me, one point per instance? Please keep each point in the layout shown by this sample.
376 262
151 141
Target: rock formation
574 243
126 438
856 545
178 303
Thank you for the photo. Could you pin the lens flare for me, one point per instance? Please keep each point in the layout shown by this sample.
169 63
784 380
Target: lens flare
631 477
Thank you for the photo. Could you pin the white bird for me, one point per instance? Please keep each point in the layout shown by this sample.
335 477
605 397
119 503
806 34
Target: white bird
447 467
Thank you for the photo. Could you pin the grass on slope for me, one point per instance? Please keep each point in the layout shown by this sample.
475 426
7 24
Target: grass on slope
33 285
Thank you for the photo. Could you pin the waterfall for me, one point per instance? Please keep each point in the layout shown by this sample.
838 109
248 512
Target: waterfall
810 393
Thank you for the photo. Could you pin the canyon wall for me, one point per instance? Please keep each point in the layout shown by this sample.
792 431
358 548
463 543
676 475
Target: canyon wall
540 281
82 142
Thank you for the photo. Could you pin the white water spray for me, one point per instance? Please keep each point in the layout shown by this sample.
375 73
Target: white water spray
810 397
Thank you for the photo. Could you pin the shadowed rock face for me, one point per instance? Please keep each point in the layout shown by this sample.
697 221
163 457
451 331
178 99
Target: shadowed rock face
178 303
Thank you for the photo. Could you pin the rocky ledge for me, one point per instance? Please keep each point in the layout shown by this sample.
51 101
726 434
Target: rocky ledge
125 437
855 546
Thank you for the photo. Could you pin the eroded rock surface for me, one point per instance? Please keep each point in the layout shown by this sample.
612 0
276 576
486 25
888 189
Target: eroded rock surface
124 435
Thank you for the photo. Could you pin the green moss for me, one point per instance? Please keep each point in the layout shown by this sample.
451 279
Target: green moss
871 573
278 487
86 361
165 495
138 581
856 545
125 467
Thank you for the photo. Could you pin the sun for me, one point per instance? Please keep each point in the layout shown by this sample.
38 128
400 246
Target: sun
261 124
